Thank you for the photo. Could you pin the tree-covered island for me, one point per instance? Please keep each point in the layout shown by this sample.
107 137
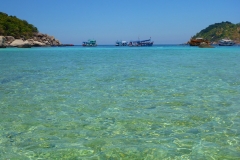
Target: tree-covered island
218 31
15 32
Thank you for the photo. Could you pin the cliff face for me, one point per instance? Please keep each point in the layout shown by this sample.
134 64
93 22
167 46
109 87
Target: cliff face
218 31
15 32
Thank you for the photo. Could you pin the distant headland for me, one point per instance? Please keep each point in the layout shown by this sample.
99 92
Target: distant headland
15 32
218 31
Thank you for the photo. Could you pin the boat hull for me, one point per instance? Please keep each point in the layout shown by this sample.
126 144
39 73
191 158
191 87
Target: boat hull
145 44
226 42
141 43
89 45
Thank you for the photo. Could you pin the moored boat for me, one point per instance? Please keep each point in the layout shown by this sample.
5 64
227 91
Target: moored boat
139 43
226 42
197 42
121 43
89 43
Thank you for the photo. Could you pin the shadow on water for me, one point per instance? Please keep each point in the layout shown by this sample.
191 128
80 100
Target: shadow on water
25 74
10 79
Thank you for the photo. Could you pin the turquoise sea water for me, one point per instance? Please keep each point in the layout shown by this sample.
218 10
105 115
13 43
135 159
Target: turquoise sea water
160 102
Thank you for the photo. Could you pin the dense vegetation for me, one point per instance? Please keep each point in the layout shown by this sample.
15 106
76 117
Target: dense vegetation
12 26
218 31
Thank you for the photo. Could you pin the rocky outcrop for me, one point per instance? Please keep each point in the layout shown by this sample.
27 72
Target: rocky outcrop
45 39
38 40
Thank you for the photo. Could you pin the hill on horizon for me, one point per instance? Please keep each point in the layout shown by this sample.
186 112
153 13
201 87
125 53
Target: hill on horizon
218 31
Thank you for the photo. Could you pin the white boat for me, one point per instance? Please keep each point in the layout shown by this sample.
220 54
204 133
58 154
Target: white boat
226 42
121 43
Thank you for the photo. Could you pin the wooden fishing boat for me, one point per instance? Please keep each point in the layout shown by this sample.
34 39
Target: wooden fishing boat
197 41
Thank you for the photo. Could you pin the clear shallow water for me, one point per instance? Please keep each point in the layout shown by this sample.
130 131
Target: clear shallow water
160 102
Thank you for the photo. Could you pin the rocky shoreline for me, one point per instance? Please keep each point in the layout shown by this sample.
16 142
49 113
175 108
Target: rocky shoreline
38 40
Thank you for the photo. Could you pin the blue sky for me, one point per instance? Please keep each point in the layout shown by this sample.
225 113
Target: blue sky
166 21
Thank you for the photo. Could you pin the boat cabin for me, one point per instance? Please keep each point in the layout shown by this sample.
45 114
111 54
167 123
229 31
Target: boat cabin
89 43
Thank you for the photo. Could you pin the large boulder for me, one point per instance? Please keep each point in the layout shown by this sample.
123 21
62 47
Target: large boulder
38 44
55 43
51 38
2 42
46 42
17 42
30 41
20 43
39 34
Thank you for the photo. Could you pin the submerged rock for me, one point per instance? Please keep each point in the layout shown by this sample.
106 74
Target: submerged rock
205 45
